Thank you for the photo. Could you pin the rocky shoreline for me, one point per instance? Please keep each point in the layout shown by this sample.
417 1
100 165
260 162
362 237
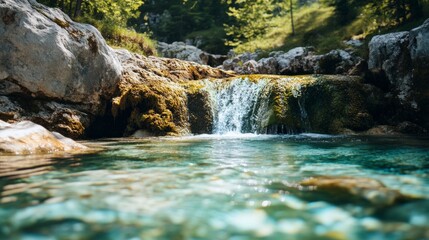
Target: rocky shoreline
63 76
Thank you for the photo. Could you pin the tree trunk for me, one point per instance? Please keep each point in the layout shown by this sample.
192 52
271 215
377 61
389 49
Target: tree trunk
78 8
291 17
415 9
70 8
62 5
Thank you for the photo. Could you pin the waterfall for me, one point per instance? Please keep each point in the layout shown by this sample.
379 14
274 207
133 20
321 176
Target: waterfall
243 105
239 105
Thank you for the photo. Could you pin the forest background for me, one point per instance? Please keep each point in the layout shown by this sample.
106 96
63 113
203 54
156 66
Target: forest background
218 26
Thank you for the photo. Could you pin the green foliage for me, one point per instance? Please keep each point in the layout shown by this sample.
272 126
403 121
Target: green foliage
179 20
120 37
251 19
113 11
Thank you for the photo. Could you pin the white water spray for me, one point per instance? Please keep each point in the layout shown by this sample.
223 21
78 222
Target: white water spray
239 105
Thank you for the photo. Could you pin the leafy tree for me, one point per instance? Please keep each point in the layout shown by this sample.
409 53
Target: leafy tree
179 20
250 19
113 11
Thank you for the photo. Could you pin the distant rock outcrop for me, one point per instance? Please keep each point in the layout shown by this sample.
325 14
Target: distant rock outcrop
181 50
297 61
52 70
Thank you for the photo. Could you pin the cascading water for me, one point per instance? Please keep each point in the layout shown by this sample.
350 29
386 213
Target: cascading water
243 105
239 105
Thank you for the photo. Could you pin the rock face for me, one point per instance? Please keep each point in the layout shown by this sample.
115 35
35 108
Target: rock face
402 59
181 50
297 61
45 53
153 95
284 105
53 71
29 138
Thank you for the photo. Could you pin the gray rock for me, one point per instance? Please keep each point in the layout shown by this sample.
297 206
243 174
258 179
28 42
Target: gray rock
268 65
182 51
250 67
45 54
295 61
354 43
235 62
335 62
402 59
388 55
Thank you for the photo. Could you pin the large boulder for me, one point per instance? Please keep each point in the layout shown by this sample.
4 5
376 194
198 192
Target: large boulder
402 59
53 71
29 138
43 53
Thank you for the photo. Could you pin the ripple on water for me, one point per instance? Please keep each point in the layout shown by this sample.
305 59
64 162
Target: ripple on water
236 186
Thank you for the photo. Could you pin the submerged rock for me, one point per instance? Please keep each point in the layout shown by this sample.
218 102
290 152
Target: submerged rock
353 190
29 138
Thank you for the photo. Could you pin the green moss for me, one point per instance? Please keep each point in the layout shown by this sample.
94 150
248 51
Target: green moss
158 107
331 104
119 37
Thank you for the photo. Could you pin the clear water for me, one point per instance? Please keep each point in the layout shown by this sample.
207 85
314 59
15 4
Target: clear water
213 187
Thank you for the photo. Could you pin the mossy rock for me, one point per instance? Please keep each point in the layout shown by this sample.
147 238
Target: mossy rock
158 107
319 103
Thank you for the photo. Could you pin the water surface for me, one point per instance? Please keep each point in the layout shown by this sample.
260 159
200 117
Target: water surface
214 187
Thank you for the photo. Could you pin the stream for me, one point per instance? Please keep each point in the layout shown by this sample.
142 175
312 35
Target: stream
231 186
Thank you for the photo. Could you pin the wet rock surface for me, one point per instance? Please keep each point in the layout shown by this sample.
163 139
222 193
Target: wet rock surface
353 190
29 138
152 95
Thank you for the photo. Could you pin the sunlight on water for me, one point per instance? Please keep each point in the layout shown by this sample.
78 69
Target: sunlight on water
234 186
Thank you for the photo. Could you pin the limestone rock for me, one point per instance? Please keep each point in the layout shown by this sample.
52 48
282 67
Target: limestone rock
68 119
152 95
403 59
297 61
268 66
389 55
29 138
235 62
181 50
45 54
